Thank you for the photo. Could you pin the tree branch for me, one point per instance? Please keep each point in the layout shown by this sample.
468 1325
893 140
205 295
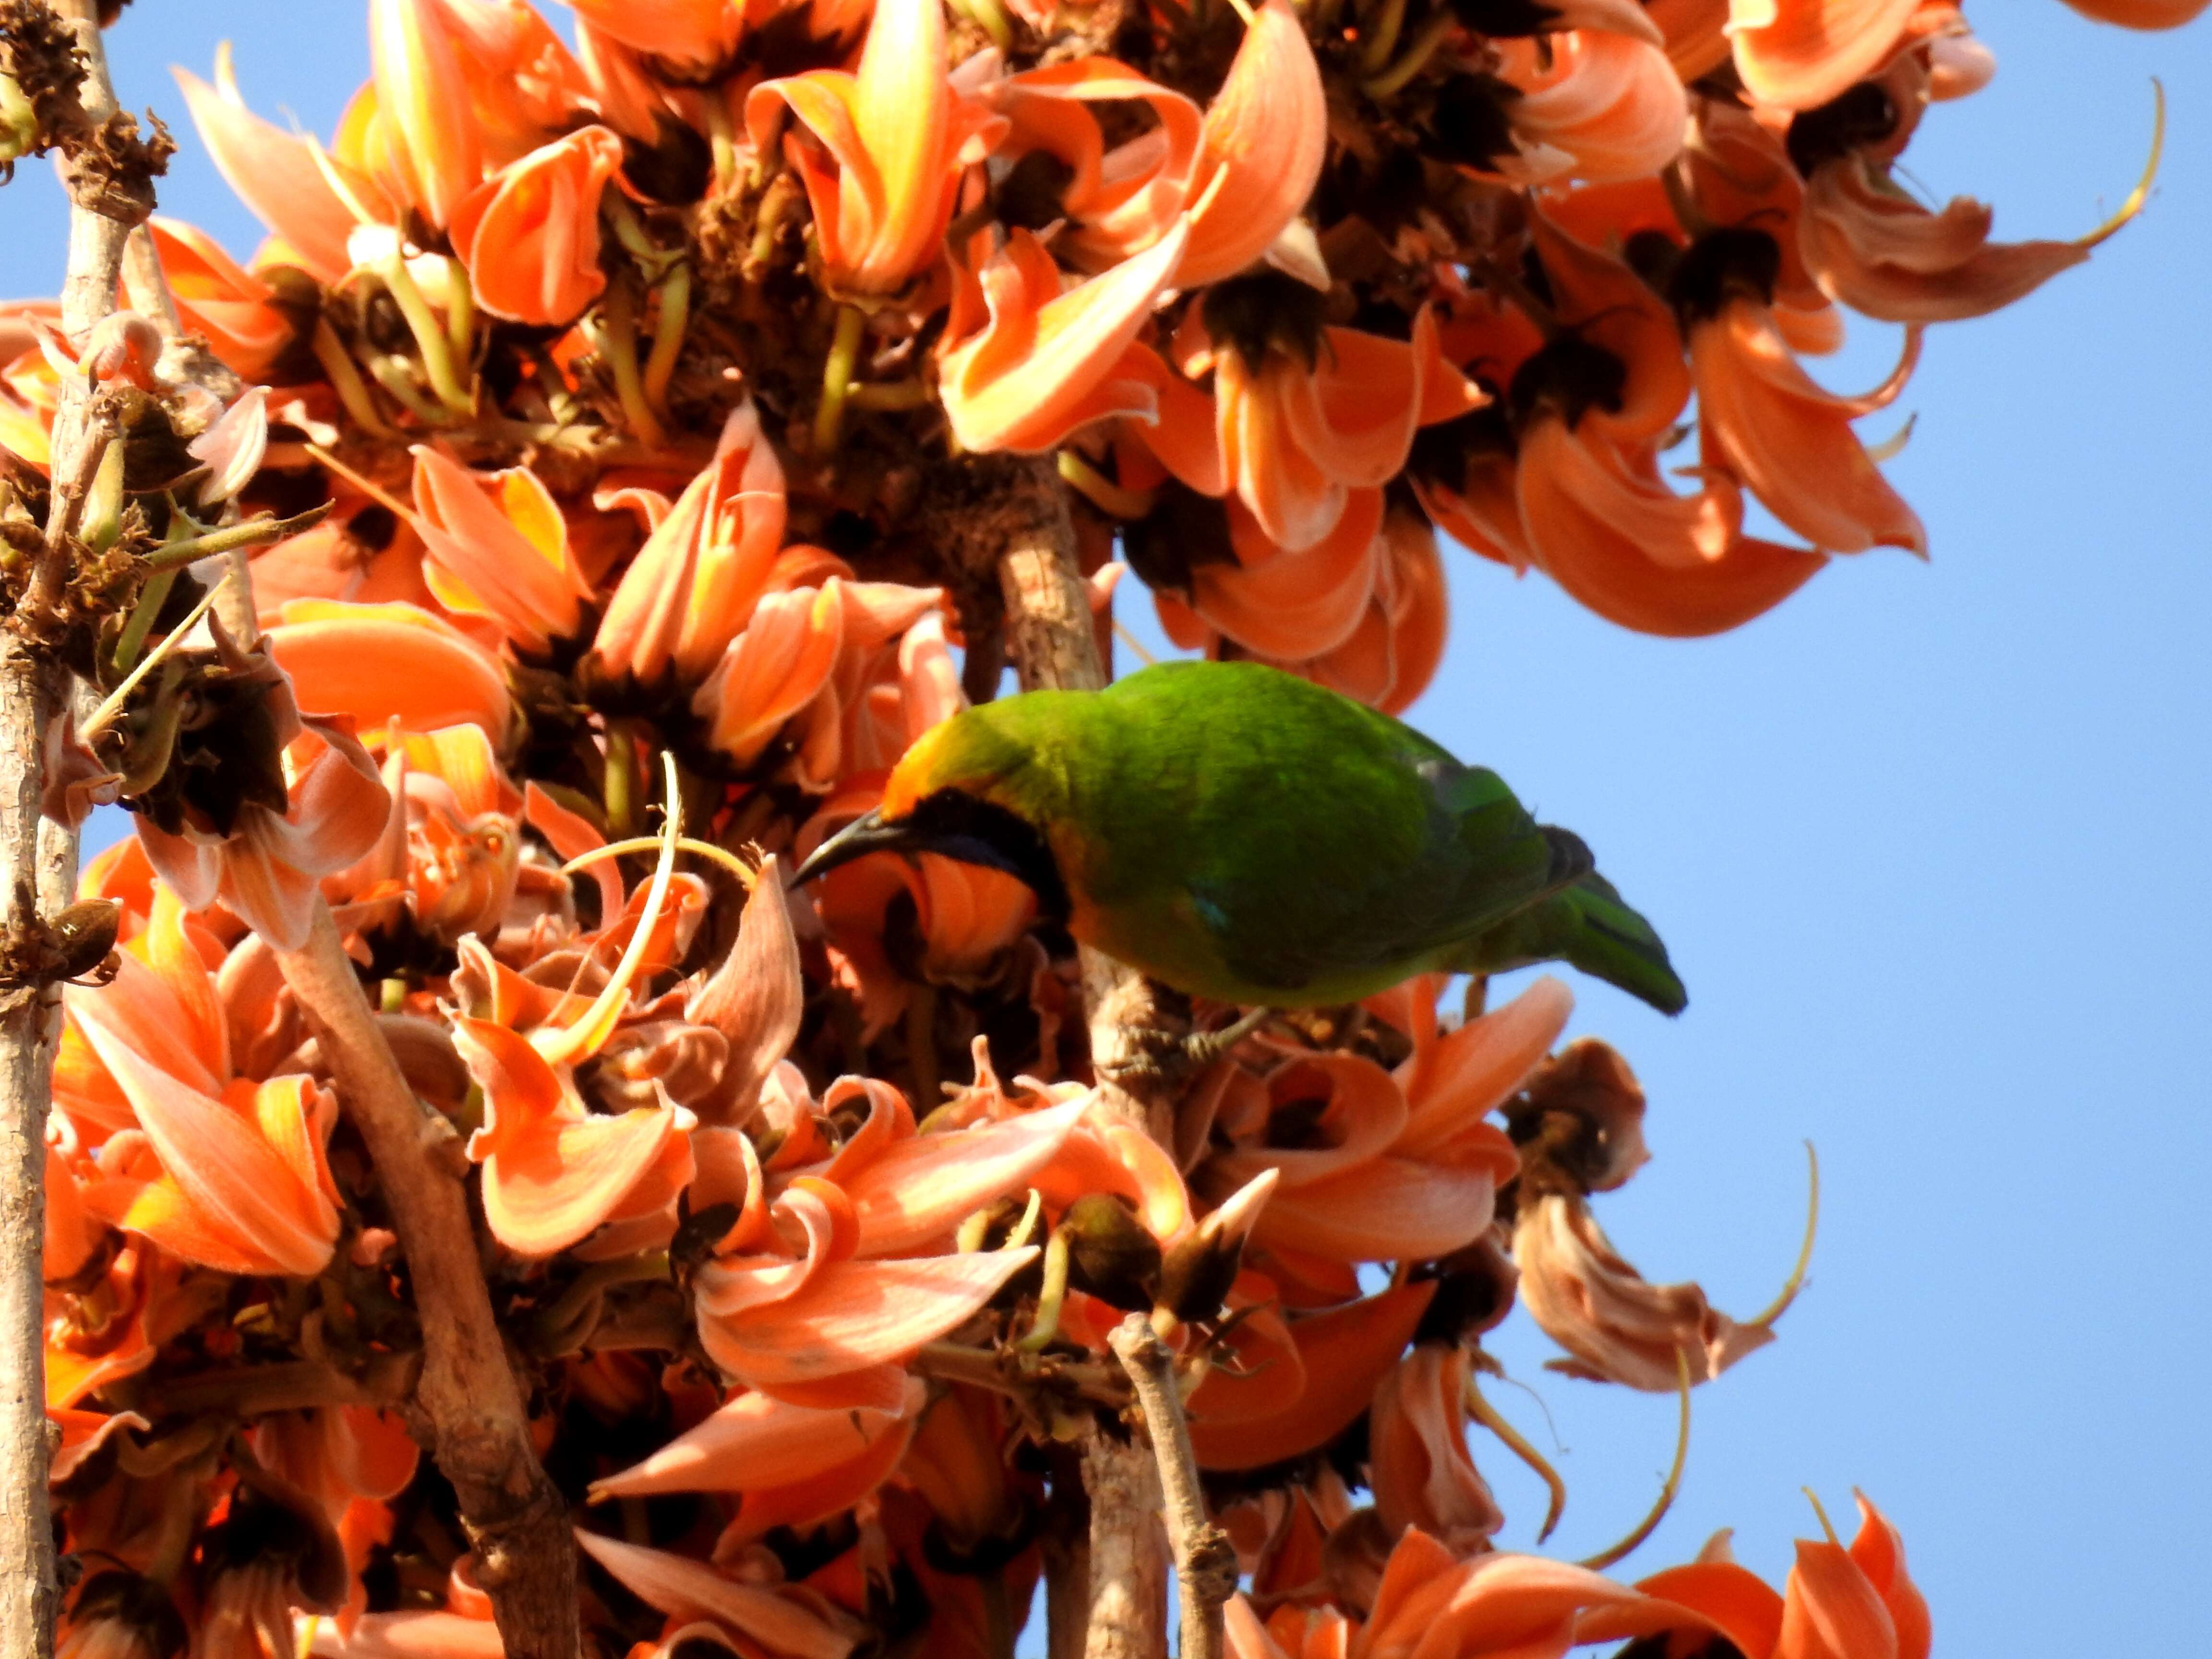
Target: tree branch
1206 1561
517 1523
1017 518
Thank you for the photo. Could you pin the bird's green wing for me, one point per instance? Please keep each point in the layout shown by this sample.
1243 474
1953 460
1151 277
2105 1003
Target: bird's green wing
1586 926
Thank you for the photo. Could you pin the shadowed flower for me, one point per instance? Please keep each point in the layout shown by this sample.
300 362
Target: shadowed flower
1423 1473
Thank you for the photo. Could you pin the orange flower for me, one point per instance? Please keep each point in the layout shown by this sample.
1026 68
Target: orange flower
389 664
688 32
555 1171
701 571
1790 440
779 1323
1260 150
1594 104
1798 54
530 235
2140 13
462 829
1522 1605
1422 1473
462 88
1051 359
881 151
762 1446
1325 1373
215 297
162 1006
280 175
1303 415
236 1182
495 545
790 1622
264 871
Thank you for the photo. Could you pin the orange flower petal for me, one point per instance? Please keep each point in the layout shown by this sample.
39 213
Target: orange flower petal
1265 137
915 1191
755 1442
379 663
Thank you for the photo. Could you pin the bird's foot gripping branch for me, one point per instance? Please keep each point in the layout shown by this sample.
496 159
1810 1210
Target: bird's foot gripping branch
604 990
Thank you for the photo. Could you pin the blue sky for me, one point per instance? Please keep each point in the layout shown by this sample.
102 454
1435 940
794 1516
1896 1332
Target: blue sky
1929 844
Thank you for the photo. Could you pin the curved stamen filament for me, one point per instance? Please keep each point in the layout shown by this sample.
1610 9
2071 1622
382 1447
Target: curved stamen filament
1645 1528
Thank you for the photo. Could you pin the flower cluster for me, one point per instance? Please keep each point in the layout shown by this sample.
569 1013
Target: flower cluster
613 419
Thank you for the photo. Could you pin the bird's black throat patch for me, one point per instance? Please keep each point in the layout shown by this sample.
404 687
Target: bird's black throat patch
962 826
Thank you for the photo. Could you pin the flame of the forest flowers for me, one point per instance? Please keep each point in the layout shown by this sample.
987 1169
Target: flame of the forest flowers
1798 54
383 664
755 1441
1431 1602
1876 250
1295 437
1046 362
881 150
790 1622
1857 1601
216 297
704 568
774 1323
1393 653
1594 104
692 32
1618 1326
1790 440
915 1191
462 88
236 1181
276 174
1260 149
495 545
162 1006
460 830
530 235
1341 1353
1422 1473
553 1171
2140 13
264 871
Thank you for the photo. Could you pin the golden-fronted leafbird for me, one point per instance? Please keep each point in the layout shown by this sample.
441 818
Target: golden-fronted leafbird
1240 834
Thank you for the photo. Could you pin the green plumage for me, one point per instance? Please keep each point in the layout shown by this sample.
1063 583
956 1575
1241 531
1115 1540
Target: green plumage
1240 834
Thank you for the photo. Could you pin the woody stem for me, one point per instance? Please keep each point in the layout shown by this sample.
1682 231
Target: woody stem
1206 1561
1016 515
38 877
479 1429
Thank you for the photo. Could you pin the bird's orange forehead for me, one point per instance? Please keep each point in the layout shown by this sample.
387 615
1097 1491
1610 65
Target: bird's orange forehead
915 776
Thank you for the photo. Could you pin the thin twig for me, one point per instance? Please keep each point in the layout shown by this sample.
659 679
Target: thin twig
1204 1559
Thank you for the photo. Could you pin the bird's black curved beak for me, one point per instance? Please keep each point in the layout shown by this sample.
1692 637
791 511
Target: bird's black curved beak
869 833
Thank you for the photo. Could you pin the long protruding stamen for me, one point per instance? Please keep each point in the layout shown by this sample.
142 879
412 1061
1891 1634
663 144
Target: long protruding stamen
1489 1416
2140 193
563 1045
1644 1529
1796 1282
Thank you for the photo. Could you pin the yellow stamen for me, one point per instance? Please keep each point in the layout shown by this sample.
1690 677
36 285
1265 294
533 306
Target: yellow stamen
615 335
563 1045
346 380
1605 1559
837 378
668 336
1796 1282
2140 193
430 337
1049 1298
1026 1228
706 849
1827 1526
970 1238
1101 491
1488 1415
1891 447
175 637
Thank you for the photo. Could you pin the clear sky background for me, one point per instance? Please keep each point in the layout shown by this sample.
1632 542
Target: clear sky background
1929 844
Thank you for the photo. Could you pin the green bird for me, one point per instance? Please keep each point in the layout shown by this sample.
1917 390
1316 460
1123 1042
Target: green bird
1240 834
